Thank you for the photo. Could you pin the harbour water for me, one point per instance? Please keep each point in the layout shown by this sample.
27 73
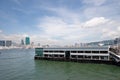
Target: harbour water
19 64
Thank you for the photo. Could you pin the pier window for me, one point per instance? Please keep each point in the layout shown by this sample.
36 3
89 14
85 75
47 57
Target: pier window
61 51
73 51
103 51
61 55
80 56
95 51
104 57
73 56
95 57
55 55
46 55
80 51
87 51
51 51
46 51
55 51
50 55
87 57
58 51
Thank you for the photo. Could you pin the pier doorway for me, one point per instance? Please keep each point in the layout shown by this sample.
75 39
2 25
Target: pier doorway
67 54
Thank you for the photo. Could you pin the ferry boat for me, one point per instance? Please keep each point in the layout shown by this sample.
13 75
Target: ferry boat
97 53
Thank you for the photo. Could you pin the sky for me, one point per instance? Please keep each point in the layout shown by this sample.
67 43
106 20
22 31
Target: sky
59 22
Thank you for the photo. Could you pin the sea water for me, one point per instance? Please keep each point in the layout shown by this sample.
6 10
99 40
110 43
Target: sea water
19 64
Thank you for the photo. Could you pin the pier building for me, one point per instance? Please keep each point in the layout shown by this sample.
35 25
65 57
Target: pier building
100 54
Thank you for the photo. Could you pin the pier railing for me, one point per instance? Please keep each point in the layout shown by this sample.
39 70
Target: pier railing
114 54
115 50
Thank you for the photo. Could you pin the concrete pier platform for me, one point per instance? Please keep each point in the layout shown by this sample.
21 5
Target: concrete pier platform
79 61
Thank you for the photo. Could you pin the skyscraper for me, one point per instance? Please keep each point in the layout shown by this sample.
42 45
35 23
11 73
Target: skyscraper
8 43
2 42
27 41
117 41
22 42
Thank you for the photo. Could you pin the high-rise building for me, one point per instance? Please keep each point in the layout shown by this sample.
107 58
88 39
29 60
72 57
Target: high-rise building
27 41
2 42
8 43
22 42
104 43
117 41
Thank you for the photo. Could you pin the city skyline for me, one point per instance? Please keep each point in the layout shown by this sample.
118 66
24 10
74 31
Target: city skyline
59 21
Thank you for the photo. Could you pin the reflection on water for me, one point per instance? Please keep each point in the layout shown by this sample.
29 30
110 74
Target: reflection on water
19 64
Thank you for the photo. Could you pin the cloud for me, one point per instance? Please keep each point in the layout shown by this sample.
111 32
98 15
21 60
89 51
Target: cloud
17 2
1 31
56 26
94 2
67 27
24 11
118 28
108 33
13 37
66 14
94 22
58 29
107 8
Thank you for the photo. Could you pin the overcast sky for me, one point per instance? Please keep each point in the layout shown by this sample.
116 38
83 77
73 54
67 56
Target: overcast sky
59 21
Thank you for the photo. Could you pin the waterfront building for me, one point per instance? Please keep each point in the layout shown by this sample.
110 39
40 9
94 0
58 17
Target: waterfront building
82 53
27 41
2 42
93 54
22 42
117 41
38 44
104 42
8 43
